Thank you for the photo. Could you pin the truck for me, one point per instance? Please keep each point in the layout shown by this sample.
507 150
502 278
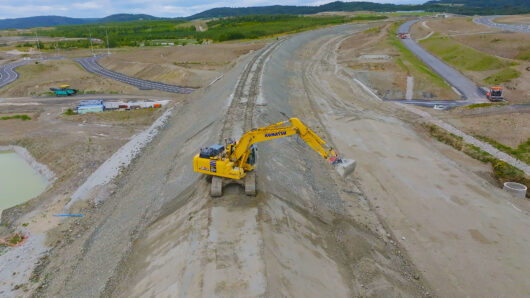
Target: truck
493 93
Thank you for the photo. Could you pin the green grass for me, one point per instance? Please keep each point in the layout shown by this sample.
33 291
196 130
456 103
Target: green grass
21 117
69 112
408 56
524 55
522 152
505 75
484 105
461 56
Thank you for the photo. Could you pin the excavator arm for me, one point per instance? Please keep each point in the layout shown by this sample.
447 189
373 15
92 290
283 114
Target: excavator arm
241 149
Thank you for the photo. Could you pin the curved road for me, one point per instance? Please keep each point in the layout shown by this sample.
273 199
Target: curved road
465 86
8 73
489 21
91 65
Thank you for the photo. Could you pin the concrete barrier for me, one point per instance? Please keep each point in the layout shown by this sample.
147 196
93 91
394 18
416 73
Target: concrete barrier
517 189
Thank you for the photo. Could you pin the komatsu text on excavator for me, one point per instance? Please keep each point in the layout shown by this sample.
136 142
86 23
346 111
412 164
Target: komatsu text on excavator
236 160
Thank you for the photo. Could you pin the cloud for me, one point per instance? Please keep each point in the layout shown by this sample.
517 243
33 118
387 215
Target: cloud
161 8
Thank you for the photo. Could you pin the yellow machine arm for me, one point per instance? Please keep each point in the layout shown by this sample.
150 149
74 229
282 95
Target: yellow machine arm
240 151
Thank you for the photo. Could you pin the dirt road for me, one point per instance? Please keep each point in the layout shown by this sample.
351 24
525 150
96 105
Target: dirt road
308 233
466 235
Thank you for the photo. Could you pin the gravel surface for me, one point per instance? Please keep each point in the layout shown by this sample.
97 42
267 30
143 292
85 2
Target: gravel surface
91 65
464 85
119 160
490 22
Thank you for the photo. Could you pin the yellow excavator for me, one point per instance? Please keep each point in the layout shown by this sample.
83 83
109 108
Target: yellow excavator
235 162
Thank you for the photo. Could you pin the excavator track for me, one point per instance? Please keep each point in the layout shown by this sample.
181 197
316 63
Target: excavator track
250 184
216 187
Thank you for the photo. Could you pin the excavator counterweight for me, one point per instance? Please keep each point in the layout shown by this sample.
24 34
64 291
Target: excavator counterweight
235 161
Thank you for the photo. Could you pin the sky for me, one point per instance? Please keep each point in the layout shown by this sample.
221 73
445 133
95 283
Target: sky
159 8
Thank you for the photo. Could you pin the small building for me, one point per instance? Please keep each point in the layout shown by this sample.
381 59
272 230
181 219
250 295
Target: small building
90 108
91 102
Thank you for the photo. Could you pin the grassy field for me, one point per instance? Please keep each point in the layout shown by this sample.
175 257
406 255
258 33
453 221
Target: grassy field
466 58
461 56
409 62
142 32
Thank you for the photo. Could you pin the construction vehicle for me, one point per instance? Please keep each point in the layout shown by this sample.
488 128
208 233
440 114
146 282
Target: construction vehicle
64 90
495 94
235 162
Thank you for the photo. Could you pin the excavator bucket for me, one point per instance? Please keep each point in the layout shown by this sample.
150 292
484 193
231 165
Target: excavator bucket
344 166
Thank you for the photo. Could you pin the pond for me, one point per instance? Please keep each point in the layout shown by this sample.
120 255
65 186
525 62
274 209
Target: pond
19 182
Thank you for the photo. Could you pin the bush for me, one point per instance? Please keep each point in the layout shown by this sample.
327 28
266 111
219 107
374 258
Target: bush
69 112
21 117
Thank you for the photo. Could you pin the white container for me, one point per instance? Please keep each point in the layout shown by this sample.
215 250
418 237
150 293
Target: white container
517 189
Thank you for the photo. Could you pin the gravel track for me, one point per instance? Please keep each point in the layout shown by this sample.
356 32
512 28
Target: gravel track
91 65
241 109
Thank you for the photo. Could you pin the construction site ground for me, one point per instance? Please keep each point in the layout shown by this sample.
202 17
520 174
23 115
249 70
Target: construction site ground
416 218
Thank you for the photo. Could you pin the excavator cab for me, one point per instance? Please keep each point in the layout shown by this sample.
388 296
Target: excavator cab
253 156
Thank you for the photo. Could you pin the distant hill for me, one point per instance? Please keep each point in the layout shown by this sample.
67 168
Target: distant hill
49 21
40 21
469 7
125 17
466 7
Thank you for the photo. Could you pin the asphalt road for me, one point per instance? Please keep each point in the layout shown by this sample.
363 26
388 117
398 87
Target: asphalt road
489 21
91 65
8 73
461 83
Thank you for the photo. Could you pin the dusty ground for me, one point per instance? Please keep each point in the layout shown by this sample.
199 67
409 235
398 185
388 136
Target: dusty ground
376 63
191 66
515 19
305 225
425 195
415 219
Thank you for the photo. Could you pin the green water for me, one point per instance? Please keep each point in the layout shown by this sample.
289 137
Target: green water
18 181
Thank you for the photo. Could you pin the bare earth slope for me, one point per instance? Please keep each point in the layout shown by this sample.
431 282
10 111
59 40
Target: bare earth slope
308 233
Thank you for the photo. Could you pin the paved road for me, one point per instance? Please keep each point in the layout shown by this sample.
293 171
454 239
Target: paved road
465 86
489 21
91 65
8 73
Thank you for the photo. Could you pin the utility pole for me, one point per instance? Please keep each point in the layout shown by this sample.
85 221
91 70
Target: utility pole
108 46
38 45
91 48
